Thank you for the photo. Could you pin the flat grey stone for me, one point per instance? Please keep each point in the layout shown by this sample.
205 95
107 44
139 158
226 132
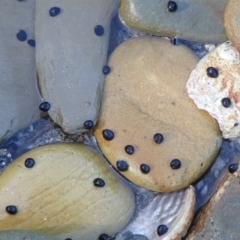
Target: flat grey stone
23 235
19 95
70 58
194 20
219 219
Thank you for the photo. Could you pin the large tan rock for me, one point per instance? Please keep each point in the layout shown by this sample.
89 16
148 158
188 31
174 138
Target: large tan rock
231 22
194 20
19 95
70 58
145 94
57 195
219 94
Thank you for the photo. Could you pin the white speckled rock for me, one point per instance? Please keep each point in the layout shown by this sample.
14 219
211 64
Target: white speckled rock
208 92
70 58
19 95
57 195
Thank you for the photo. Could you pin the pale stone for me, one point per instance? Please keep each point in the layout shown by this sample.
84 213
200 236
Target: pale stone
23 235
208 92
231 22
194 20
57 196
19 95
70 58
144 94
219 219
175 210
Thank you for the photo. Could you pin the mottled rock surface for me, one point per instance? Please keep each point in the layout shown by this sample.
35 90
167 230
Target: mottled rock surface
194 20
57 196
219 219
145 94
23 235
231 22
174 210
208 92
70 58
19 95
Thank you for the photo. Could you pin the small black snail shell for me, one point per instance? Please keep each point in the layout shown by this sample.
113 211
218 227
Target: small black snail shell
162 229
54 11
232 168
175 164
11 209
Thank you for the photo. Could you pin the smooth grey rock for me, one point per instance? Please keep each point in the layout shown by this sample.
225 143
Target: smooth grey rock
19 95
70 58
23 235
194 20
219 219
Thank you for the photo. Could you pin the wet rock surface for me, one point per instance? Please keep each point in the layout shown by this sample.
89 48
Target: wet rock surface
219 219
144 95
214 86
23 235
231 22
192 20
71 51
173 210
19 96
68 192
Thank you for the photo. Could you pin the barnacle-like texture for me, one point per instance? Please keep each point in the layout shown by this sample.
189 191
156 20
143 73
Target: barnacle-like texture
208 92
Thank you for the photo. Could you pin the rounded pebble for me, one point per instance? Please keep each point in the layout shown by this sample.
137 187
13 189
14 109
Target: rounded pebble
162 229
226 102
129 149
99 30
212 72
103 236
44 107
108 134
175 164
59 191
172 6
11 209
31 42
29 163
22 36
145 168
158 138
54 11
106 70
122 166
232 168
98 182
88 124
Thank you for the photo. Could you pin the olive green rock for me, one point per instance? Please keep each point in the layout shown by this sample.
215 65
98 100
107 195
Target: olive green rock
19 94
145 94
194 20
23 235
58 197
231 21
70 58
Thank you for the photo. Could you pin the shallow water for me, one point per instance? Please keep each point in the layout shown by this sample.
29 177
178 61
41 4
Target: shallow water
45 132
